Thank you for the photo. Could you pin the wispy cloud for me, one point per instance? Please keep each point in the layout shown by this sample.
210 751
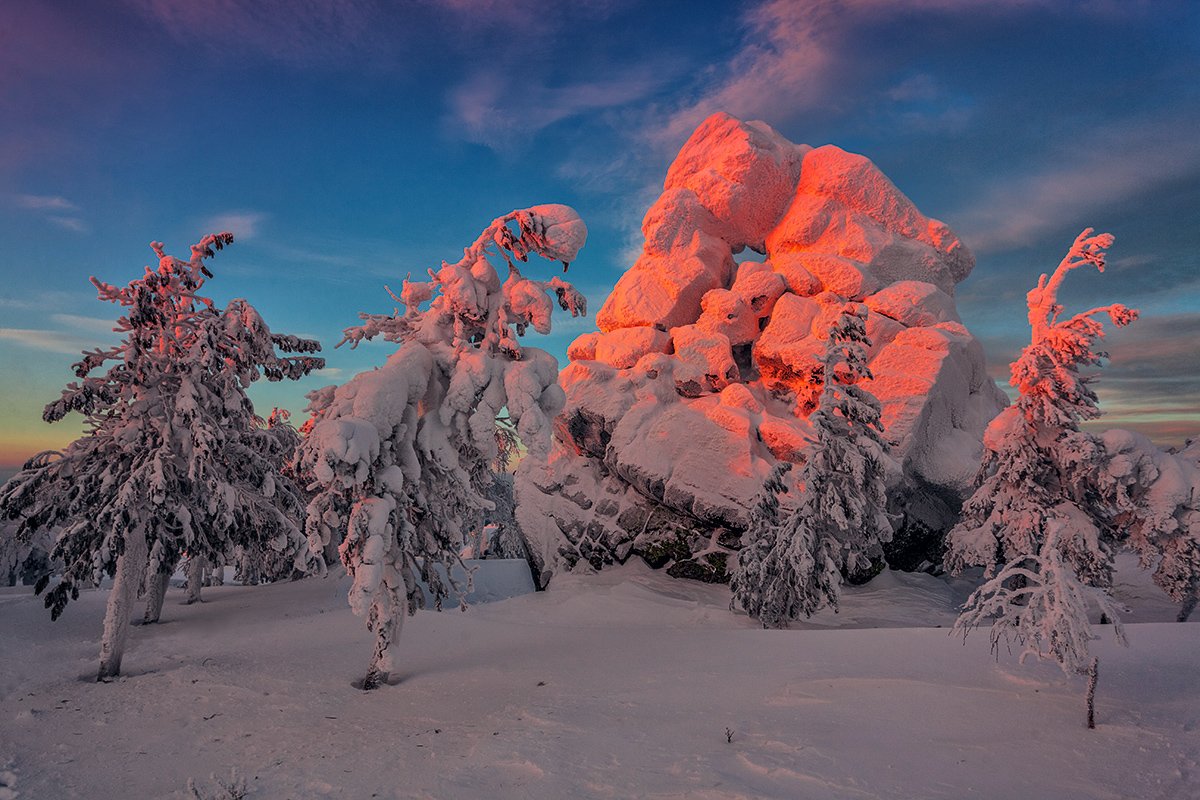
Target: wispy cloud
1102 168
784 63
52 341
55 209
74 224
243 225
922 104
75 333
44 202
344 259
297 34
45 300
530 19
82 323
796 56
919 87
482 109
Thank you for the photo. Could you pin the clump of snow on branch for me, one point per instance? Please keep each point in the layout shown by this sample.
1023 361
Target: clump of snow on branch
792 563
174 459
1037 523
401 455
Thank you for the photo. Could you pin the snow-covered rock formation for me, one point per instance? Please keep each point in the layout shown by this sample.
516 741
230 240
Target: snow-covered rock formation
705 368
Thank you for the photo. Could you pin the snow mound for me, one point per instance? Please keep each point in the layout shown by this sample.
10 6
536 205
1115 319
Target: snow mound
704 370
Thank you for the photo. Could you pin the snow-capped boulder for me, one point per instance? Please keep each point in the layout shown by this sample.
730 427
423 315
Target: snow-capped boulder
705 371
624 347
665 291
705 361
726 313
914 304
759 287
743 172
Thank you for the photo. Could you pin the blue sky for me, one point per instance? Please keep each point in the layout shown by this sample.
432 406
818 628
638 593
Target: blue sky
346 144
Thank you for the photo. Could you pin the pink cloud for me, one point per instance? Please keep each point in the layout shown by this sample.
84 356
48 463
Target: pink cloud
793 57
784 62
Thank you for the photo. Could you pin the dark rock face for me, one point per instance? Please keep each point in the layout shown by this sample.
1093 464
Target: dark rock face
709 568
585 430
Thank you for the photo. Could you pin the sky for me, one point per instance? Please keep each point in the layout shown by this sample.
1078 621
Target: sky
348 144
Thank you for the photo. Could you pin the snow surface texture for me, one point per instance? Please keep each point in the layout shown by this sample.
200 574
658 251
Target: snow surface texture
618 685
704 370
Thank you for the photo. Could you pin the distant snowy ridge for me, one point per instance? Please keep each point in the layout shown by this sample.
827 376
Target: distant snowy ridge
704 370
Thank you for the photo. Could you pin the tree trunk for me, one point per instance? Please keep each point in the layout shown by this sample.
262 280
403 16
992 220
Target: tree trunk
387 634
156 594
131 571
1189 605
1093 674
195 578
246 572
330 553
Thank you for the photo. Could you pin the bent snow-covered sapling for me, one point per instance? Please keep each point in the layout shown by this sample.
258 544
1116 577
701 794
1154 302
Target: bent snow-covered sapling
400 455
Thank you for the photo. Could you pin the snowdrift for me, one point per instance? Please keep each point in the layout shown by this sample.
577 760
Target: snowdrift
615 685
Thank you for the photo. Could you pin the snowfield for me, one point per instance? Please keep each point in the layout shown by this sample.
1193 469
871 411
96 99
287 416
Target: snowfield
623 684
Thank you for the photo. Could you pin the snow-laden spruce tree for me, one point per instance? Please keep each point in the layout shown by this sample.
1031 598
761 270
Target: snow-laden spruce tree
793 562
1036 522
256 561
173 459
400 455
1156 499
24 559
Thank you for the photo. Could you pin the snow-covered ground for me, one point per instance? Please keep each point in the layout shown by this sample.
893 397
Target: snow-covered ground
623 684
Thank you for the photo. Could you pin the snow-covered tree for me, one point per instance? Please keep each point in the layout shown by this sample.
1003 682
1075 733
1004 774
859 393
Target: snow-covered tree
256 561
24 560
1156 498
1037 522
793 563
173 461
401 454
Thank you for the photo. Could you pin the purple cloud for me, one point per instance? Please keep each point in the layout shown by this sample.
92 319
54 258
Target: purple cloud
298 34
